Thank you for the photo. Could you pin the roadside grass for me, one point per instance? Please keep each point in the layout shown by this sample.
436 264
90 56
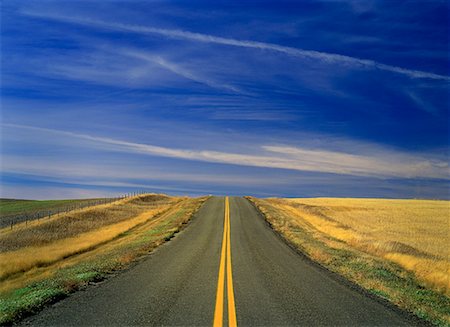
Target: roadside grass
9 207
43 243
27 292
325 238
39 233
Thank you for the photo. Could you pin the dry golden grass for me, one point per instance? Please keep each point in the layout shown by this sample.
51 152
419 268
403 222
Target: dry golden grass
412 233
38 273
44 243
375 244
43 232
46 271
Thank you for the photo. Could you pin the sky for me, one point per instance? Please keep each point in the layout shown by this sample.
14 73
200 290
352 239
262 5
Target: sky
342 98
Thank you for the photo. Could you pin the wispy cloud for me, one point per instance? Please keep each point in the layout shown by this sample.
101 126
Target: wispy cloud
326 57
421 104
397 164
383 163
53 192
253 115
79 172
178 70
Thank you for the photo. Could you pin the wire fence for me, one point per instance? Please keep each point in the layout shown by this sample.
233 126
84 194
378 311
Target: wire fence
26 217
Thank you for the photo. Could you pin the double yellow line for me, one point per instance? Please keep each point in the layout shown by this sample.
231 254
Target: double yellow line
225 257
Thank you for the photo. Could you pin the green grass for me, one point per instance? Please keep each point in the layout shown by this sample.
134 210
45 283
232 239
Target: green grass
10 207
32 298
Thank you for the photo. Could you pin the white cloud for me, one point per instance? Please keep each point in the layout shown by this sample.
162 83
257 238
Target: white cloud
206 38
64 170
380 163
421 104
177 69
51 192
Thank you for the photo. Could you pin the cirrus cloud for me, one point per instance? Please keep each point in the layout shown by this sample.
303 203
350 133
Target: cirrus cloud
384 163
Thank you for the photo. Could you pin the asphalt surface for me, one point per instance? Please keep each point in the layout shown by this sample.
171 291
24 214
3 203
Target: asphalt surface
177 284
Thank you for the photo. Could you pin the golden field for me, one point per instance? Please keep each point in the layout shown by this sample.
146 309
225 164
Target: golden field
396 249
412 233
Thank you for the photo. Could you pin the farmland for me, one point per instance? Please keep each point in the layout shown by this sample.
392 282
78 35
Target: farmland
390 250
10 207
14 211
46 259
396 249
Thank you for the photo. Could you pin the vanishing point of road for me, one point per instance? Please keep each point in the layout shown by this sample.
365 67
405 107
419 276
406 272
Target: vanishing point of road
226 268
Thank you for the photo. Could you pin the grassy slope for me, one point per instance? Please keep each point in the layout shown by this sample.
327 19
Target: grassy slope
74 223
375 273
26 292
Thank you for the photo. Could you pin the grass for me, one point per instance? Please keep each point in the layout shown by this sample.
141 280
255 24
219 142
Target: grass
65 264
414 225
81 221
10 207
395 249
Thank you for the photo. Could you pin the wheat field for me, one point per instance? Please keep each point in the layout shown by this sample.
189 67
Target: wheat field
412 233
44 242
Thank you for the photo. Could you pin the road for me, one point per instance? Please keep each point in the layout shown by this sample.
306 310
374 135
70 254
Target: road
227 267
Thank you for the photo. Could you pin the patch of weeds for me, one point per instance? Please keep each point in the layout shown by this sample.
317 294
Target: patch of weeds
379 293
156 230
384 274
28 300
421 314
88 276
359 265
169 235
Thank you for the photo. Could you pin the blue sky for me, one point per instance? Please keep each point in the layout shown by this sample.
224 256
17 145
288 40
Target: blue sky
305 98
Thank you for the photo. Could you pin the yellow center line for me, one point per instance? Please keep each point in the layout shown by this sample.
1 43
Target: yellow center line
231 306
218 312
225 255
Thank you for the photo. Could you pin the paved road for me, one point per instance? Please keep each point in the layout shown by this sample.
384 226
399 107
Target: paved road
222 255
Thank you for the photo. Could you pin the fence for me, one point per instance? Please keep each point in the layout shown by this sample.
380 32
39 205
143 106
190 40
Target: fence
46 213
